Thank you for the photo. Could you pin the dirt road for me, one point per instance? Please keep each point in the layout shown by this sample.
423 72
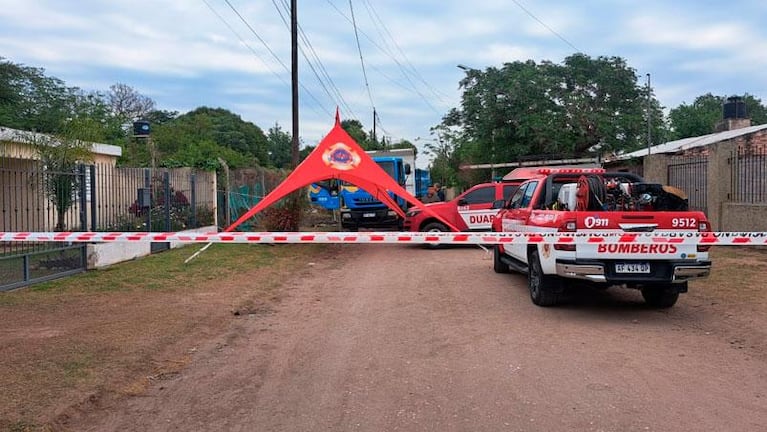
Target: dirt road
400 338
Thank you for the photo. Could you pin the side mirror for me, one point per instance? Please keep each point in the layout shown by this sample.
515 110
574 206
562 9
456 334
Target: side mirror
407 169
499 204
462 202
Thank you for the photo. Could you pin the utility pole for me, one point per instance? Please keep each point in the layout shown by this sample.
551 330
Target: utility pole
295 198
294 79
649 116
374 127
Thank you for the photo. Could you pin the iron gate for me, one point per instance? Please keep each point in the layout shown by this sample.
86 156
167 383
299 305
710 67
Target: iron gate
36 198
690 173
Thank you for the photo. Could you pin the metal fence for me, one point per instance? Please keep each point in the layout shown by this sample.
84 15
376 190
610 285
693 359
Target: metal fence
90 197
36 198
243 189
141 199
749 176
690 173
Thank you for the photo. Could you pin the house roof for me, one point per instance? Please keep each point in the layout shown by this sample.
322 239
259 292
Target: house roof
26 137
692 142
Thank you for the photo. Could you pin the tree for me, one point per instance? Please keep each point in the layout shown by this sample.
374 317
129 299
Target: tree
444 167
60 156
10 73
176 141
355 129
279 147
127 103
582 106
30 100
702 116
160 117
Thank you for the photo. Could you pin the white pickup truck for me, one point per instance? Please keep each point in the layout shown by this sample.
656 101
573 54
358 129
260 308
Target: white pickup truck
592 200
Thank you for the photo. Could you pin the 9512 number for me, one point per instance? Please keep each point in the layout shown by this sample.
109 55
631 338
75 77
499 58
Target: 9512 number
684 223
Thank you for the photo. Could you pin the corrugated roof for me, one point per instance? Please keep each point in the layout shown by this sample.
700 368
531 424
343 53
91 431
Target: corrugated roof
692 142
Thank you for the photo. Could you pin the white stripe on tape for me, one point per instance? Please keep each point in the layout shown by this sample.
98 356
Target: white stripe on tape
681 237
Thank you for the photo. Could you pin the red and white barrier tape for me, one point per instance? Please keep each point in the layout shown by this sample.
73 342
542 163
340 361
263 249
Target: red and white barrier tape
681 237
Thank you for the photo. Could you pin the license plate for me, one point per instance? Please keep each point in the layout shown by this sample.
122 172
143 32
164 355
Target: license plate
368 215
642 267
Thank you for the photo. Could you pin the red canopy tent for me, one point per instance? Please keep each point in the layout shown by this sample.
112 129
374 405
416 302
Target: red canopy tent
338 156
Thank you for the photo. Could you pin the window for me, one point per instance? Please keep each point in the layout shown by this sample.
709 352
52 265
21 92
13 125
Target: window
508 191
485 195
527 198
389 167
523 196
517 198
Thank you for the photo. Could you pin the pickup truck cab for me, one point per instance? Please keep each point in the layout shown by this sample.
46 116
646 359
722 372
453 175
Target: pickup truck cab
592 200
470 211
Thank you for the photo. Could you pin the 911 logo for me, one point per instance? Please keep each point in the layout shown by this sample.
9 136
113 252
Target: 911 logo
341 157
595 222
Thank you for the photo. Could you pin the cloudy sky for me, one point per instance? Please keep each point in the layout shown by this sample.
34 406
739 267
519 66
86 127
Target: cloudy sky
236 54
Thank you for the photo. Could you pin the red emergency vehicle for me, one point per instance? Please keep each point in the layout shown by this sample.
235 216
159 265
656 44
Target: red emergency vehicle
592 200
470 211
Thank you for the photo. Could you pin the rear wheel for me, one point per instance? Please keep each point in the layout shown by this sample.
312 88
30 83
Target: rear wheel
663 296
498 265
544 290
434 227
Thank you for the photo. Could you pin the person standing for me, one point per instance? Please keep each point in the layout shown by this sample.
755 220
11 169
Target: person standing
440 192
431 196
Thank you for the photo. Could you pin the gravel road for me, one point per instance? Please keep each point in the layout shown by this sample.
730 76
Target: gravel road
390 337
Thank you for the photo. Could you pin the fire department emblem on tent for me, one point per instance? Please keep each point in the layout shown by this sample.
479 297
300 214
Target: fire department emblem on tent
341 157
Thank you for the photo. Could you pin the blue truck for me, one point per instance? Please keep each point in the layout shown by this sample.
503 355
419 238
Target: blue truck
358 208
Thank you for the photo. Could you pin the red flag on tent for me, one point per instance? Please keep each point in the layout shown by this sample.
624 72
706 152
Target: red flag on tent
338 156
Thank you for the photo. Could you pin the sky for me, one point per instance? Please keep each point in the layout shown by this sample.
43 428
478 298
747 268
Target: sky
236 54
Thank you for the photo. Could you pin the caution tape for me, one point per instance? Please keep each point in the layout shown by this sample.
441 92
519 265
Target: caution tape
679 237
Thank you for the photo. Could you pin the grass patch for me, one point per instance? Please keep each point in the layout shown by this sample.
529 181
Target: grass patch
167 271
736 276
120 328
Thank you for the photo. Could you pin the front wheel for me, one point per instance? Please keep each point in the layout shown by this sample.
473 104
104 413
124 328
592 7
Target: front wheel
544 290
498 265
434 227
662 297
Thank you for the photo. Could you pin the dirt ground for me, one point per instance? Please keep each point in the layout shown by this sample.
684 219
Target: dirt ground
389 337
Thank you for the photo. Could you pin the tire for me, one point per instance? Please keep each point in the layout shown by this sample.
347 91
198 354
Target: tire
662 297
498 265
544 290
434 227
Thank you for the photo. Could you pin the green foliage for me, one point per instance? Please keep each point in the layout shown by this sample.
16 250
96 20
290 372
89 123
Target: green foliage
204 155
355 129
526 109
702 116
279 147
60 156
198 138
30 100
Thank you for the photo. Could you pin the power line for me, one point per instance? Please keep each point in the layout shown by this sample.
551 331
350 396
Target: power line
336 93
414 88
375 17
562 38
359 49
242 40
252 30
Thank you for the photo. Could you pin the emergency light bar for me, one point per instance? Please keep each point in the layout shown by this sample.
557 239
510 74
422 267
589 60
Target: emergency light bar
547 171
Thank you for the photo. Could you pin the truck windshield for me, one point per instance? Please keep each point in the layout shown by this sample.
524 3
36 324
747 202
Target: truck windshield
388 166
